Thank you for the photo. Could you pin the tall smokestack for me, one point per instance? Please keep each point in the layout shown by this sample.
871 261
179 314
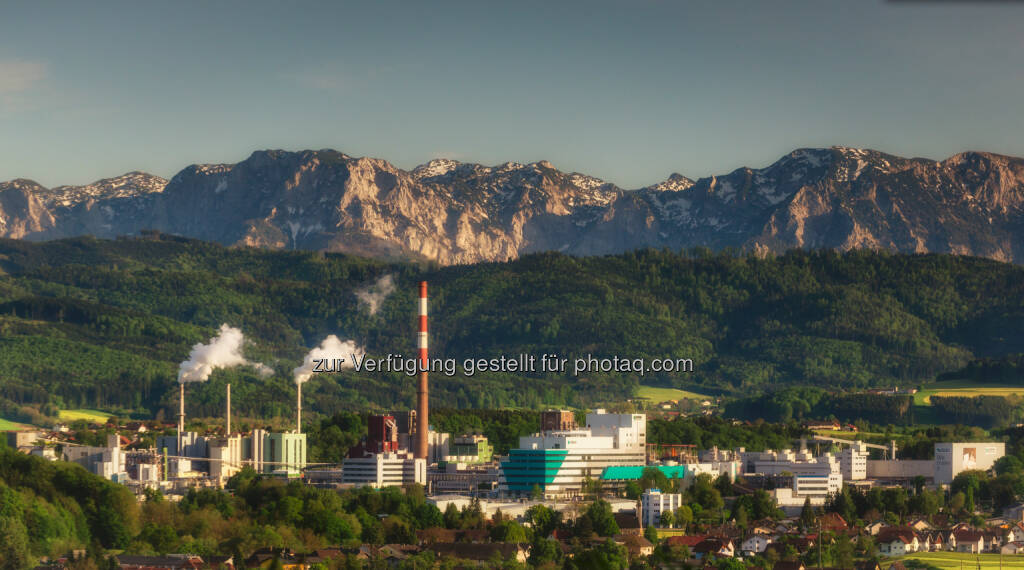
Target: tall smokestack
181 416
422 415
298 415
227 427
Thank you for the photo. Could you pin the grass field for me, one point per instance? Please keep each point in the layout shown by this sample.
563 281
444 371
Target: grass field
956 561
7 425
956 388
657 394
87 415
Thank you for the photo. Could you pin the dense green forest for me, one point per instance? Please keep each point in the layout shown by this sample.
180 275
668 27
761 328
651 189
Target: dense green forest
95 323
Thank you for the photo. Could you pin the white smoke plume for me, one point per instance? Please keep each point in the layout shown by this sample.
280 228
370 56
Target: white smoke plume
223 351
373 295
331 349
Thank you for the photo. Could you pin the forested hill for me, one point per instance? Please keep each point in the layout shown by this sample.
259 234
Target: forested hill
97 323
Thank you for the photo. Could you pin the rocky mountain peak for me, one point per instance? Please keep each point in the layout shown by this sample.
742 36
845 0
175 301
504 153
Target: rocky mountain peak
456 212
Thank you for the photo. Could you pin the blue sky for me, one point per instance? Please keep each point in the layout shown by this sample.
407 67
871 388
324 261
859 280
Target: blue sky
629 91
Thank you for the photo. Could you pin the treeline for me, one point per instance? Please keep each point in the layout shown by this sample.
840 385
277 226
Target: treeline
706 432
982 411
93 323
1008 369
817 403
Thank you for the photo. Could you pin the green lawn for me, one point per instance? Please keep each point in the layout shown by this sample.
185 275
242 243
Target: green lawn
656 394
959 388
94 416
7 425
956 560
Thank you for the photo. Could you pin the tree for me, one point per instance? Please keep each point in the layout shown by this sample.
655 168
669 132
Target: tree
807 514
741 518
536 493
452 517
543 519
633 490
651 534
600 513
544 550
668 519
14 547
606 555
684 516
653 478
508 531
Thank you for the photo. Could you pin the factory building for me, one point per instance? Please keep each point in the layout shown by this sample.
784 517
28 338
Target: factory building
107 462
951 459
559 461
221 457
470 449
388 469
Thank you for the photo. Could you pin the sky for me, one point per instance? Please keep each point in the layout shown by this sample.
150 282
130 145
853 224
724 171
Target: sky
629 91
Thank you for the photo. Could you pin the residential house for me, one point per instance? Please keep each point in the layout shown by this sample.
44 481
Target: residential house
636 545
786 565
481 552
875 527
920 525
159 562
1016 547
897 541
714 546
833 522
970 541
755 544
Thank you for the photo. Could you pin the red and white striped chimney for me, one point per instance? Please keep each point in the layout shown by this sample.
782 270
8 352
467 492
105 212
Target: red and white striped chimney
422 392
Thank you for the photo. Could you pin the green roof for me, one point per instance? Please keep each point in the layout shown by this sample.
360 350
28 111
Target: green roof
634 472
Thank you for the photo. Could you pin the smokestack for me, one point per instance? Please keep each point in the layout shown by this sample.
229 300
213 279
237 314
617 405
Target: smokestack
422 417
298 415
181 416
227 428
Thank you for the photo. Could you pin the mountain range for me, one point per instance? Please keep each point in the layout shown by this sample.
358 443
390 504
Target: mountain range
454 212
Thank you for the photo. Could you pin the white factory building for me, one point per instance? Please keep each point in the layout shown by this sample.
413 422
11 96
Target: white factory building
386 469
107 462
559 461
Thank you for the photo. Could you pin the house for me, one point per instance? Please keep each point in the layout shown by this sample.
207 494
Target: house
396 553
822 425
833 522
876 526
784 565
481 552
867 565
1014 513
970 541
936 541
687 541
897 541
628 523
159 562
635 545
714 546
755 544
1013 548
920 525
993 540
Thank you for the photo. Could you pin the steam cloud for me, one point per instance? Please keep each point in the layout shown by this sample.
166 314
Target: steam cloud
373 296
331 348
223 351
